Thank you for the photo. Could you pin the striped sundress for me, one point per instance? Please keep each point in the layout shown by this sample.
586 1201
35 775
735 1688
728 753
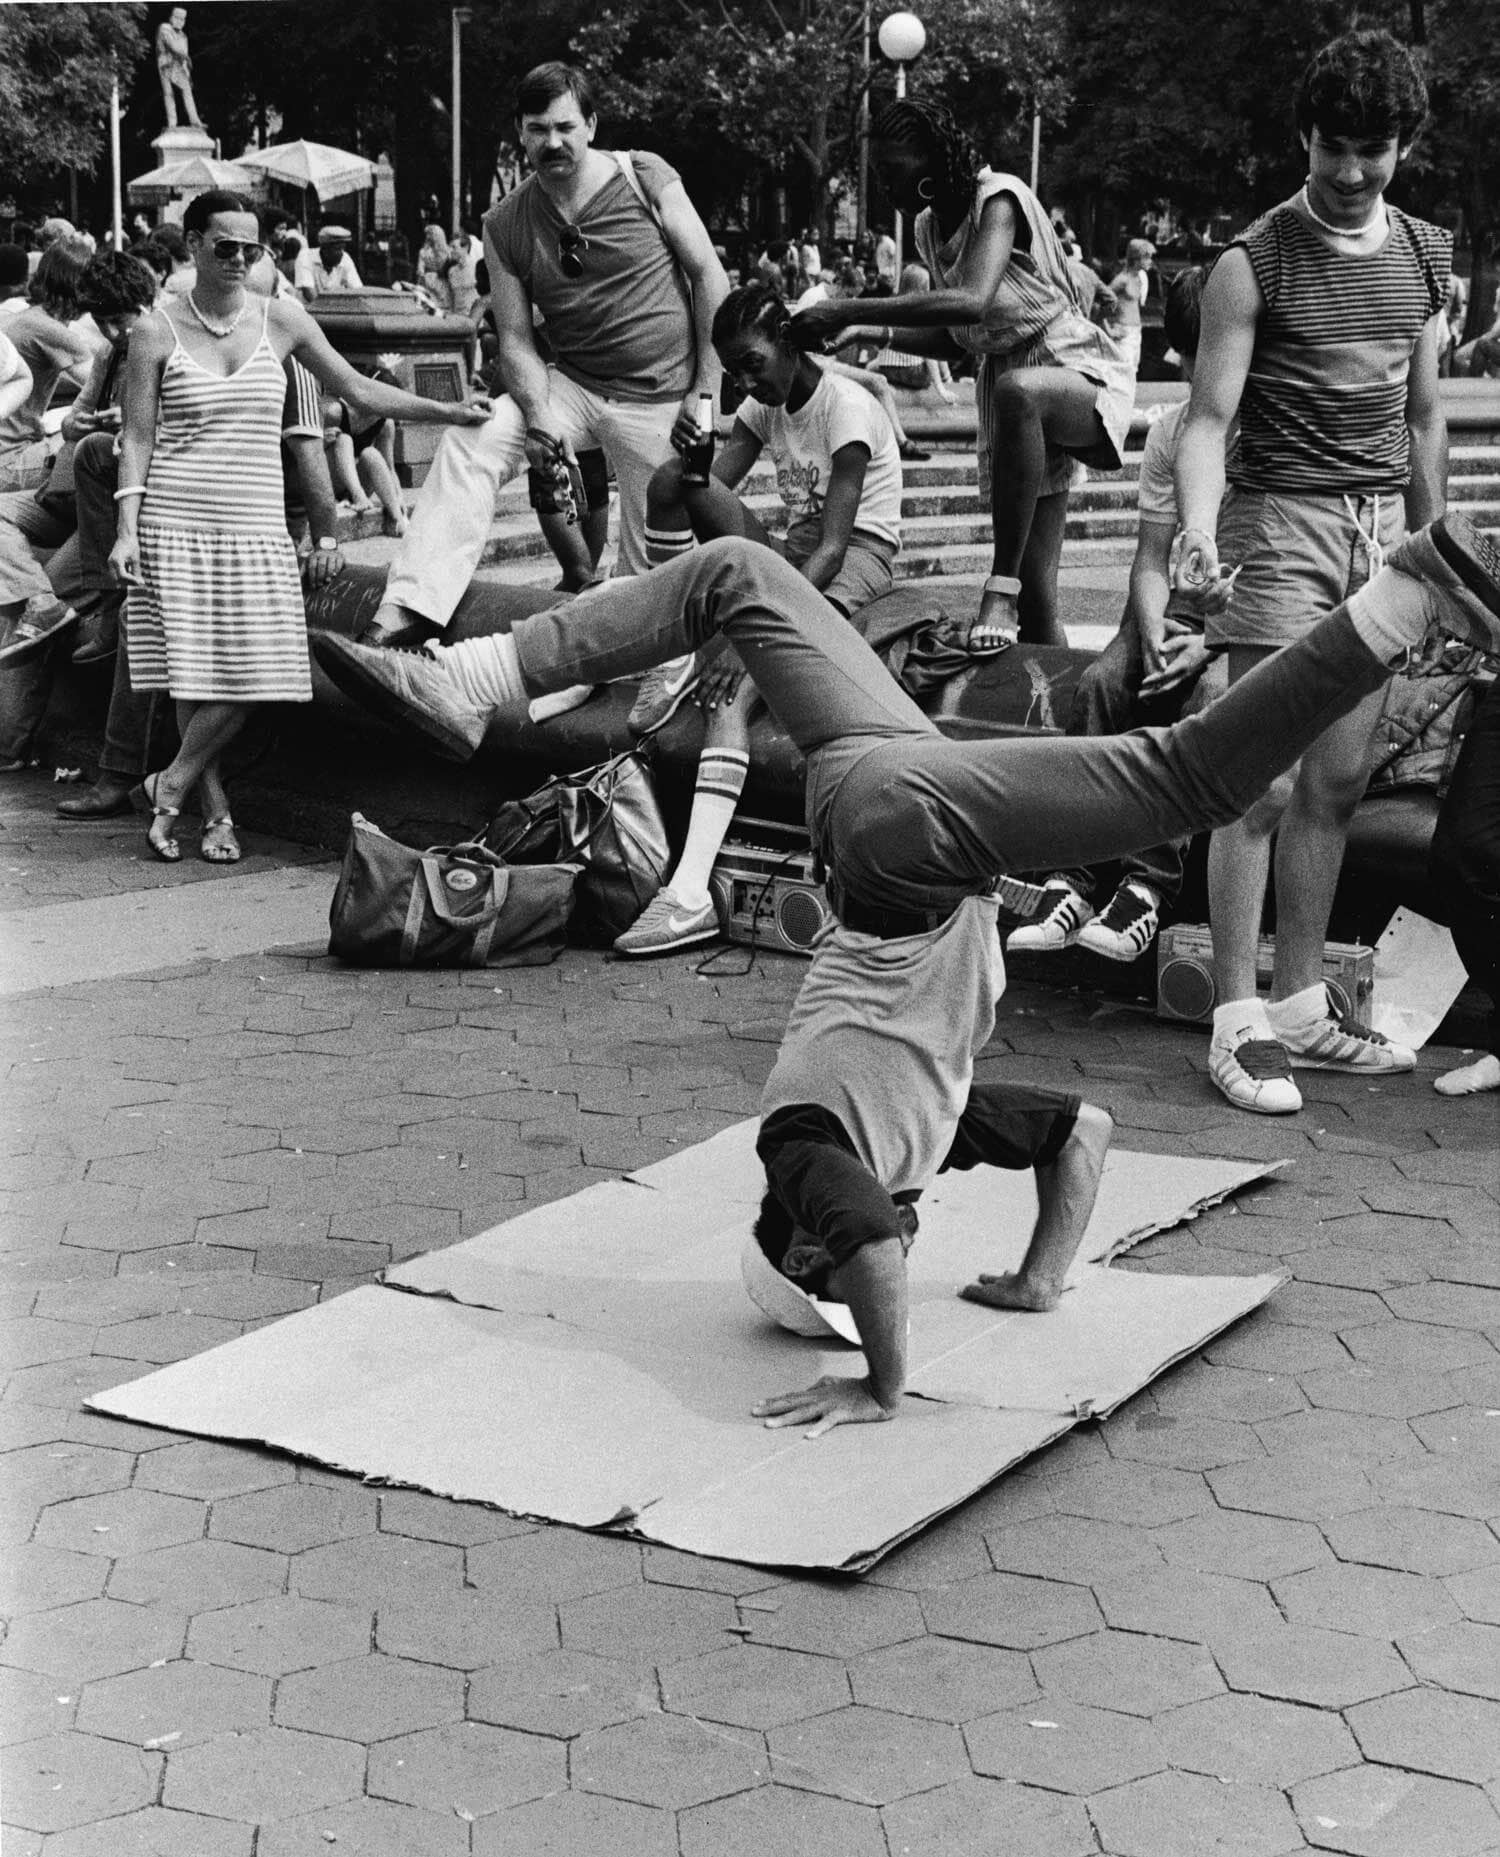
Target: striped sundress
219 617
1036 320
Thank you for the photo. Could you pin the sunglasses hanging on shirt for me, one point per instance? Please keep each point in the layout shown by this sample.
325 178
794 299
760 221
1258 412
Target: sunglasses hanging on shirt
570 243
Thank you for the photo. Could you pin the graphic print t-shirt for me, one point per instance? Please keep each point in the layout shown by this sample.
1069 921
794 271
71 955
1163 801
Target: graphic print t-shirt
802 446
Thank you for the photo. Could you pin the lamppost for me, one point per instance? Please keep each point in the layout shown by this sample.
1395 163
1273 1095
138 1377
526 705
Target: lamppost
461 17
901 37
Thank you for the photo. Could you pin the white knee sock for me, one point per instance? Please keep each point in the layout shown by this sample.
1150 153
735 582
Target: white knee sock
721 779
1391 614
1298 1011
663 545
486 670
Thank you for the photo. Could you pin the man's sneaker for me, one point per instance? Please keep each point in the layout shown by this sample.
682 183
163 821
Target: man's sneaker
1063 914
408 689
1462 567
42 621
1253 1071
666 924
1337 1042
1124 931
664 689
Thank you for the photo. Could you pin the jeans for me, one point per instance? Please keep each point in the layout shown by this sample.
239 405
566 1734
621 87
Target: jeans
904 818
1107 701
1464 865
26 524
451 522
128 725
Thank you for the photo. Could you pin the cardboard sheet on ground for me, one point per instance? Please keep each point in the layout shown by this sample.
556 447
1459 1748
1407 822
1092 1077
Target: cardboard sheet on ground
594 1362
1418 975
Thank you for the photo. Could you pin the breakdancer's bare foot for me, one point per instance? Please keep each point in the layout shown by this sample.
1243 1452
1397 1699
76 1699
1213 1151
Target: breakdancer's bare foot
1014 1290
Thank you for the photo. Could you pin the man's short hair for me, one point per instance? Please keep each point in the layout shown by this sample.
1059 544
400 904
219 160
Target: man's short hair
1364 86
204 206
115 283
545 83
1182 310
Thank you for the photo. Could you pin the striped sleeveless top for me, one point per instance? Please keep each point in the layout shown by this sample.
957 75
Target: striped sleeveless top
217 458
1323 410
1037 289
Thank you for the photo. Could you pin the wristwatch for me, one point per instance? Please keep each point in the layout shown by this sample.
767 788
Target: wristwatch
327 544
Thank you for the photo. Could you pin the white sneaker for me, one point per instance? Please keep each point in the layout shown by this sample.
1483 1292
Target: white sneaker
1334 1043
1253 1071
1123 931
1064 913
666 923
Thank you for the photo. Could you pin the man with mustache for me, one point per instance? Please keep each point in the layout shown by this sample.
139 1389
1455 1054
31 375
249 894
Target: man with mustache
611 253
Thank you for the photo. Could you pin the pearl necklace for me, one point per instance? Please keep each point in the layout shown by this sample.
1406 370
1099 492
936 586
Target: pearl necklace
1342 232
215 328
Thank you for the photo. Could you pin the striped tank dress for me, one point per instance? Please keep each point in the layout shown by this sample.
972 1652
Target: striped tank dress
219 616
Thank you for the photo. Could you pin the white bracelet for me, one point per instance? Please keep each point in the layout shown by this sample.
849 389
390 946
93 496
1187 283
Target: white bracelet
134 490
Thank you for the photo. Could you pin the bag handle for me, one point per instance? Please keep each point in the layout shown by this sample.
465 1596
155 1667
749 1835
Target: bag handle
432 870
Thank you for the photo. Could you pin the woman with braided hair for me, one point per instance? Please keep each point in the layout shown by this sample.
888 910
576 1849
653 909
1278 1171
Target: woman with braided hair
1053 389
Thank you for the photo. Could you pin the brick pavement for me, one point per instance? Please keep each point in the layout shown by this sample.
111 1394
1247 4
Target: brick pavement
1257 1612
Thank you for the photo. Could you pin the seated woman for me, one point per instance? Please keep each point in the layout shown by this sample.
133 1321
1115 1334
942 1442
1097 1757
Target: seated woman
362 460
839 478
1052 389
46 338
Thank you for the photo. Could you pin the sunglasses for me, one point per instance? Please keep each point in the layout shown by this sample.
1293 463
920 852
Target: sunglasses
570 242
226 250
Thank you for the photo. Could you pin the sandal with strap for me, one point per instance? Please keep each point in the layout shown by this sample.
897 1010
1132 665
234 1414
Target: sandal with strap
988 637
163 843
218 845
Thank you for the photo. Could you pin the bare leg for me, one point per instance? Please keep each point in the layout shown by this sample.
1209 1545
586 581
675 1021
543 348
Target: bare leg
569 543
1037 602
341 468
1239 868
1331 777
1066 1192
1029 410
379 480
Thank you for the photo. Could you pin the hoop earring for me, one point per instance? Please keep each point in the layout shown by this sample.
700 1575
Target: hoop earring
927 188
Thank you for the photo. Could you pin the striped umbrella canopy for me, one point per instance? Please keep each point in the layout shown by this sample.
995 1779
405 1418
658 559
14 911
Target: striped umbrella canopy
329 172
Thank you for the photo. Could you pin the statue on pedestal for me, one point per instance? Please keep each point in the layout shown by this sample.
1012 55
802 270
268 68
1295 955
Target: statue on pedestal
175 67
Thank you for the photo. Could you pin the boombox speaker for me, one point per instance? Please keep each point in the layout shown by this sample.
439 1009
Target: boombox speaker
764 888
1185 973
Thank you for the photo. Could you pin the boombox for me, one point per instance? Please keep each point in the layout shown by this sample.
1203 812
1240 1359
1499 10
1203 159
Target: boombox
1185 973
764 888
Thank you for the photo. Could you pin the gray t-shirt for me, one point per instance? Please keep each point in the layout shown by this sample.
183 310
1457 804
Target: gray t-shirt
625 325
884 1034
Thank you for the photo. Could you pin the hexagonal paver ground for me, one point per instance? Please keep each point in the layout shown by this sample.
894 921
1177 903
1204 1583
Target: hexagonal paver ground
1012 1610
1122 1670
563 1693
754 1686
1251 1738
373 1826
644 1622
1064 1748
867 1755
271 1773
154 1832
1190 1815
1381 1812
942 1678
567 1824
276 1636
1377 1602
987 1818
1433 1732
175 1704
370 1698
476 1768
783 1820
295 1516
1464 1656
669 1761
73 1779
97 1637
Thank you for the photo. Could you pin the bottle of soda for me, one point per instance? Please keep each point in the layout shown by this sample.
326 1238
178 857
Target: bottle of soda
697 460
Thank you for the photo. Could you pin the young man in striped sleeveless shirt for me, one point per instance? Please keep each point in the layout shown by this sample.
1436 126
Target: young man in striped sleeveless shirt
1320 331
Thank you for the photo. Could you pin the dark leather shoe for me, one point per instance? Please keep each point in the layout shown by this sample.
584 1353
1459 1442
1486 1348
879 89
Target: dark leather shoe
409 637
95 803
96 651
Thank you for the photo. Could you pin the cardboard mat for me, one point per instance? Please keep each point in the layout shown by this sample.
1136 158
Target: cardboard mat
594 1361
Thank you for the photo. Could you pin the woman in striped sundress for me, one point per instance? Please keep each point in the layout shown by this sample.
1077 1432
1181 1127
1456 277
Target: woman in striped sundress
214 613
1053 389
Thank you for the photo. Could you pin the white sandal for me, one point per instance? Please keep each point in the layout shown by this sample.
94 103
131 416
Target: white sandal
989 637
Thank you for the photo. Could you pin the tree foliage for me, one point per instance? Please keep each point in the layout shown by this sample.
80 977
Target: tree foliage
57 66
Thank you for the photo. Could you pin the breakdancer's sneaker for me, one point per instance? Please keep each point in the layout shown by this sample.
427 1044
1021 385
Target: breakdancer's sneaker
411 690
1462 567
1338 1041
1127 927
1062 914
1253 1071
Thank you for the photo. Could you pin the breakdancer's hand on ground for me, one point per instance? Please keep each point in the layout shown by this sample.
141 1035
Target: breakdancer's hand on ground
836 1399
